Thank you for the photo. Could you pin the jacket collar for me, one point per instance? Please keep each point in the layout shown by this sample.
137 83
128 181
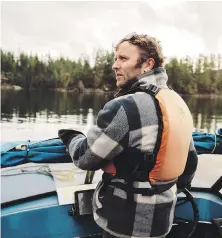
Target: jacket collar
157 77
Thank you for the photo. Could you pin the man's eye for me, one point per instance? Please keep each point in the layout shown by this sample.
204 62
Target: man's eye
122 58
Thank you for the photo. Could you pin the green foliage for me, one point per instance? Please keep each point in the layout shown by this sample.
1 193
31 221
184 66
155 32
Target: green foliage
29 72
104 77
188 77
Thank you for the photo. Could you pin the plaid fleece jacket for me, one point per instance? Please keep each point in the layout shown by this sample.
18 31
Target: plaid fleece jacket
125 122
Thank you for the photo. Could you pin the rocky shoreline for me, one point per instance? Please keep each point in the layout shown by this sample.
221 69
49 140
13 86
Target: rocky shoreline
91 90
10 87
82 90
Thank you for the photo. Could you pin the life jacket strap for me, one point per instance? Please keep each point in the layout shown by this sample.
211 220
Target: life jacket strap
130 190
152 89
145 165
155 189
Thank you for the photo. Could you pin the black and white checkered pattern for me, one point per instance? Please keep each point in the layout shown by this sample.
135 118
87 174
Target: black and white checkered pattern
128 121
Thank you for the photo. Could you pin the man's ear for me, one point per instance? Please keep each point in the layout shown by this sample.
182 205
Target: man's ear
151 63
148 65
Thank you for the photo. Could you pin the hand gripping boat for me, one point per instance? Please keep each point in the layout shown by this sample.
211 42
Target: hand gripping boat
45 195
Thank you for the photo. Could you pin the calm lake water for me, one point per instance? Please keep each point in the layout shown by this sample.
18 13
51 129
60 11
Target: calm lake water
39 114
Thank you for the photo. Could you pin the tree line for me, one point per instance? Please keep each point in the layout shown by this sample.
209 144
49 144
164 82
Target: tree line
186 76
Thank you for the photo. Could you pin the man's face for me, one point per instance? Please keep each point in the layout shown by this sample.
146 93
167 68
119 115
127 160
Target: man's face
126 58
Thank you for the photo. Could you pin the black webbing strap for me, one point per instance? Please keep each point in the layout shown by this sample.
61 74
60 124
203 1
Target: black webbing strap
152 89
149 161
145 165
155 189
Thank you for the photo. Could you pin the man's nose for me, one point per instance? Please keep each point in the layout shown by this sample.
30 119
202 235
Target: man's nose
115 66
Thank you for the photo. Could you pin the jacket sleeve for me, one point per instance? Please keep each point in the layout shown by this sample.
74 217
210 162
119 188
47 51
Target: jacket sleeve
104 141
186 177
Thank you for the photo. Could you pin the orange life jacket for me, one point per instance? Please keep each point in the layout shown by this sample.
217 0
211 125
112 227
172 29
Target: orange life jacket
177 123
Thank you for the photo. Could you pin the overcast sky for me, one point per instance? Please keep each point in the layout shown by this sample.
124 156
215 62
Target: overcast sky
72 29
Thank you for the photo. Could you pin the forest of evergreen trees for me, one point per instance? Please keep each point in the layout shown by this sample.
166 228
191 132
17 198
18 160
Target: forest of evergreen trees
186 76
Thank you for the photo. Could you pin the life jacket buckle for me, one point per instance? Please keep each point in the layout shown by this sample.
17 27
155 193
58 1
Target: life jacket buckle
154 89
149 157
149 192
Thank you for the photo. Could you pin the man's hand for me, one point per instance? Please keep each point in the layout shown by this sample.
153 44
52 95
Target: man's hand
66 135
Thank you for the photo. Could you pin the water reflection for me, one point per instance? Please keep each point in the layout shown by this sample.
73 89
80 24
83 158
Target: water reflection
206 112
58 107
82 109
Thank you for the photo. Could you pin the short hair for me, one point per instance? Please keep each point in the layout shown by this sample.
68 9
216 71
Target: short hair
149 47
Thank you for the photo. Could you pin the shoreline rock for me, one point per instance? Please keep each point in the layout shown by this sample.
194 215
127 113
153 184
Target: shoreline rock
97 90
10 87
